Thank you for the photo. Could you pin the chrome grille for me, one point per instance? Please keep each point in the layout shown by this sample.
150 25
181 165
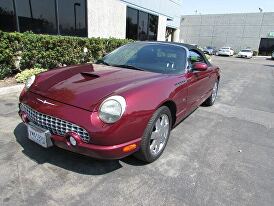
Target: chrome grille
54 125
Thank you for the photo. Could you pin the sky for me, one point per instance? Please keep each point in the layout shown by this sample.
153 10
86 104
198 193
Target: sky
226 6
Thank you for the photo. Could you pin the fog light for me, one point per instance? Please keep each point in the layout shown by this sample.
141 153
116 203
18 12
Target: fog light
72 141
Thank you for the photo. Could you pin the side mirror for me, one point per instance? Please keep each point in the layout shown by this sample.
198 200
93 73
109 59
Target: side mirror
199 66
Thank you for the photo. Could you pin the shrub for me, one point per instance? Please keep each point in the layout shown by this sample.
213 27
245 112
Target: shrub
255 53
50 51
5 71
24 75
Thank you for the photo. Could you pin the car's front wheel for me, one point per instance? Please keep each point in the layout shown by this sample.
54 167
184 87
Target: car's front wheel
155 136
211 99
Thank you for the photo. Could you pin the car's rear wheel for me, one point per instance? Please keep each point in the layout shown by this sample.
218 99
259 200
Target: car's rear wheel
211 99
155 136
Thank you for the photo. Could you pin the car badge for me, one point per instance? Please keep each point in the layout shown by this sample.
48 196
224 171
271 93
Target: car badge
45 102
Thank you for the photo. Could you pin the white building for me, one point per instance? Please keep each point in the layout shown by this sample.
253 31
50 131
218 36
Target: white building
135 19
239 31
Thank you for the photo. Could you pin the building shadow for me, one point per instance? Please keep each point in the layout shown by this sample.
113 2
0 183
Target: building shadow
62 158
269 65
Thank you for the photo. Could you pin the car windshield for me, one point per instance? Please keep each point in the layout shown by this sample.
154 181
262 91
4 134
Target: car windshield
152 57
226 48
246 50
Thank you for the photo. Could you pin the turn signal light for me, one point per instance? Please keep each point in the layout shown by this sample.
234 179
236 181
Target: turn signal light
129 148
24 117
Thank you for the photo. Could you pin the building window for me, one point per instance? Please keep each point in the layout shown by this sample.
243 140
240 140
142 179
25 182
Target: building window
72 17
43 17
7 17
37 16
141 25
132 24
152 27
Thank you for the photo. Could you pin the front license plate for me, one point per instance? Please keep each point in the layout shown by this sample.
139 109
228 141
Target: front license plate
39 136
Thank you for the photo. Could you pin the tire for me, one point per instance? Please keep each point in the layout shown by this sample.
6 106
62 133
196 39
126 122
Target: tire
149 152
211 99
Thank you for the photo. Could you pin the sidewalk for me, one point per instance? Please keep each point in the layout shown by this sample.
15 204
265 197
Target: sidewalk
265 57
11 89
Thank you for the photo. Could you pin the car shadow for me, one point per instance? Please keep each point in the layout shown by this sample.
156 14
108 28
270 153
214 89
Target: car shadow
65 159
176 125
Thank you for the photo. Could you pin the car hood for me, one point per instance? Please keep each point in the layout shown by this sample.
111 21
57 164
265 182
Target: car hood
84 86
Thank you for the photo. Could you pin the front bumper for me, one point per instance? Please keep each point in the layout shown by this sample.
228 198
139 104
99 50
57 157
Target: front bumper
243 56
91 150
106 141
224 53
96 151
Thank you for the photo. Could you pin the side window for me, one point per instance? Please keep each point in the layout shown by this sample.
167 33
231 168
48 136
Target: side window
195 57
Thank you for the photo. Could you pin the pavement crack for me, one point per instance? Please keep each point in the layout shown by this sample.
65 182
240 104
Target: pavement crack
21 184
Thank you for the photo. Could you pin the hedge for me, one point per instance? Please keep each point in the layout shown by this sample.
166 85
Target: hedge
46 51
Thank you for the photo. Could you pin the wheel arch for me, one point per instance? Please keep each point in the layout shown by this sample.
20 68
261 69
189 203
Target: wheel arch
173 109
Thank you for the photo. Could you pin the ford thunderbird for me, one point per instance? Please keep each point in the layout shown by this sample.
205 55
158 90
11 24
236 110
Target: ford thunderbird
126 103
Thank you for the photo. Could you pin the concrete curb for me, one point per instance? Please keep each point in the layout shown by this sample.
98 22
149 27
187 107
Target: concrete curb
266 57
11 89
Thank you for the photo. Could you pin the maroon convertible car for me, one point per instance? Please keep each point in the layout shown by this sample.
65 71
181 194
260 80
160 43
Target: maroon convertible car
126 103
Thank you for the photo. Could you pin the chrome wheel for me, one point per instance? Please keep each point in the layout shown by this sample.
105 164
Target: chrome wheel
159 134
214 91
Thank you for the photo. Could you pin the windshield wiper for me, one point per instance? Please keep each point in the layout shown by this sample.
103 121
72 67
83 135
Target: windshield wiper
100 61
129 67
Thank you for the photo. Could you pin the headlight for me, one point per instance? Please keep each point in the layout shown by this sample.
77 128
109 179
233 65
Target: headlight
112 109
29 82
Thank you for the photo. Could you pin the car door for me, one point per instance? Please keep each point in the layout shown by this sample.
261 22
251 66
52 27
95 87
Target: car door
198 81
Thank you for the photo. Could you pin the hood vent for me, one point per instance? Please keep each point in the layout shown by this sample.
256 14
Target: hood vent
90 74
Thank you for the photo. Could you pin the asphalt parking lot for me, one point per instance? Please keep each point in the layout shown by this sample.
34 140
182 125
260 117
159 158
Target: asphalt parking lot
220 155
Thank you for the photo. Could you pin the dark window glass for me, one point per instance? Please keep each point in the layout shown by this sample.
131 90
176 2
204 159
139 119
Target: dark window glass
132 24
37 16
152 27
266 46
7 18
72 17
195 57
153 57
143 26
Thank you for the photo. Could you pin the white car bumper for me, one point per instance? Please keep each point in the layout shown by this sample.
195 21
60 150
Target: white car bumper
224 53
245 55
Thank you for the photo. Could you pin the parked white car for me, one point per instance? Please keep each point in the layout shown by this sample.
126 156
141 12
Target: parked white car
273 55
225 51
245 53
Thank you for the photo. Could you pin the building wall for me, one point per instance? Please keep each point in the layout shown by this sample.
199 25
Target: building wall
235 30
161 36
106 18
